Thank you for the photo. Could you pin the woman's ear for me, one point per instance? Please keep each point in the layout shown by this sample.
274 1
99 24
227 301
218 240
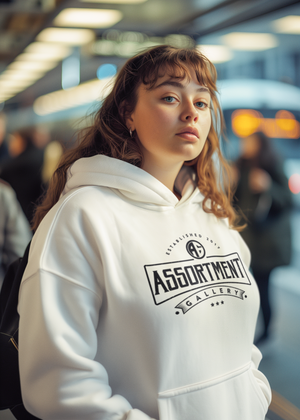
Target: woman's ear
130 123
127 116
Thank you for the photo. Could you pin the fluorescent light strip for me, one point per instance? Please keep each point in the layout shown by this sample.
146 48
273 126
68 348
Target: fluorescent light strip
35 57
248 41
17 75
50 49
13 82
88 18
287 25
216 53
32 65
66 36
94 90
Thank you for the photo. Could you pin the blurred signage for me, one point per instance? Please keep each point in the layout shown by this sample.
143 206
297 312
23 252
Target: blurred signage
245 122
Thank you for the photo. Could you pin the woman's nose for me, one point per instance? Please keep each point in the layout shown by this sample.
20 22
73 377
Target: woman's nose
190 113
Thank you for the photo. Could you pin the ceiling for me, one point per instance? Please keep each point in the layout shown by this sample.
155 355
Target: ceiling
21 21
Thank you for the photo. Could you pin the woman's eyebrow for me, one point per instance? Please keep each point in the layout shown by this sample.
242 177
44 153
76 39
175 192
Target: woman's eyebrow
180 85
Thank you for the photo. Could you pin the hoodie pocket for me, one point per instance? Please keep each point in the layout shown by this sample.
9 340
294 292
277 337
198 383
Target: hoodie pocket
234 396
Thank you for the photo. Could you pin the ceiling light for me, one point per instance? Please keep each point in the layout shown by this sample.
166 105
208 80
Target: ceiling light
44 51
216 53
21 75
250 41
32 65
15 84
88 18
36 57
115 1
6 90
93 90
287 25
66 36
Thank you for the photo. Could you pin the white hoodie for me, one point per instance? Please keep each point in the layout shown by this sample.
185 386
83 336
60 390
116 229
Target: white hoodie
135 305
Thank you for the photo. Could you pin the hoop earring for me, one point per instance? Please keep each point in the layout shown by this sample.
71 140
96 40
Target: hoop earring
130 132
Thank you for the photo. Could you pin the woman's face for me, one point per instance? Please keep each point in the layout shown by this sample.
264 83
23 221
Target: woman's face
172 120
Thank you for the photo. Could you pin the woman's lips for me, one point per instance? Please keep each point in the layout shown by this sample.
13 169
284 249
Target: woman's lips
189 133
188 136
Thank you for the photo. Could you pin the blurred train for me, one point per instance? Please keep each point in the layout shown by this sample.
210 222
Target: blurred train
251 105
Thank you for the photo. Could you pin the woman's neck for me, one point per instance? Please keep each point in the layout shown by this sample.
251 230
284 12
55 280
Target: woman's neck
165 174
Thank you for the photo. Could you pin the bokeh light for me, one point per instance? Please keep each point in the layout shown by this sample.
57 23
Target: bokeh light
106 70
294 183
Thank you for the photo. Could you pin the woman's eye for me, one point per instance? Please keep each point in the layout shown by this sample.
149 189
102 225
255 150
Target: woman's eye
201 104
169 99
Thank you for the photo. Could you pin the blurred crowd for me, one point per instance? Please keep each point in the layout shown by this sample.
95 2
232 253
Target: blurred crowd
28 157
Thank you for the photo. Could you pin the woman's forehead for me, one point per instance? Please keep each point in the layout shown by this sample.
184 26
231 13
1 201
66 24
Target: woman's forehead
175 72
182 72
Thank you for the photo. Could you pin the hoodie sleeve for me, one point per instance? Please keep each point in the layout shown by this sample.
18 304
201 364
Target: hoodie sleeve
59 377
59 305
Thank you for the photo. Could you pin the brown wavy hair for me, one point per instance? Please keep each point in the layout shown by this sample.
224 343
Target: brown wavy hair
109 135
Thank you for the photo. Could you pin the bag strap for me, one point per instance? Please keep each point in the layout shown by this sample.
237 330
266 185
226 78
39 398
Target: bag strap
10 289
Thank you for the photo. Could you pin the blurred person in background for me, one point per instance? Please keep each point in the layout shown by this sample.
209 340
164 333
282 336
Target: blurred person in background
14 229
52 155
4 154
265 199
41 136
23 170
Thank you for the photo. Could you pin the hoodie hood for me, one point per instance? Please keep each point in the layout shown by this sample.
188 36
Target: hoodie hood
132 182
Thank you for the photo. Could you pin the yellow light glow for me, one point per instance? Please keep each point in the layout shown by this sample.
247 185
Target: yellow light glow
93 90
216 53
245 122
287 25
32 65
250 41
114 1
88 18
66 36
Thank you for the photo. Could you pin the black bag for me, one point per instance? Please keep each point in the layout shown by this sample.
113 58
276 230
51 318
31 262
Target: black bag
10 390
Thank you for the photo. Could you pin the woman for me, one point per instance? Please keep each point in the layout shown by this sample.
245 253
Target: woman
264 196
137 291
